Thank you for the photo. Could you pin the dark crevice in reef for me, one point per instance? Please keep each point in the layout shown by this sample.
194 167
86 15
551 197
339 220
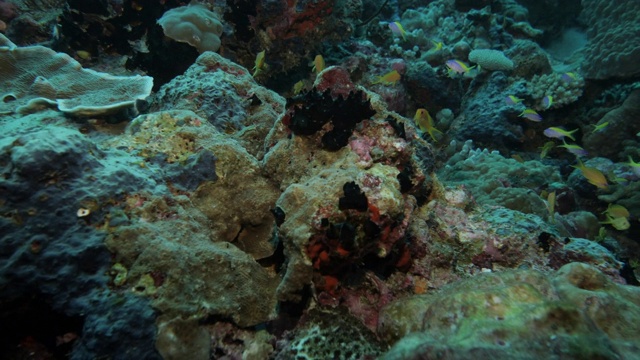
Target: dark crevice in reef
31 329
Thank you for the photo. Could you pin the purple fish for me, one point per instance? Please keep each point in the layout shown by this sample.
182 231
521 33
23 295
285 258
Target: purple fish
512 100
531 114
457 66
559 133
569 77
397 29
578 152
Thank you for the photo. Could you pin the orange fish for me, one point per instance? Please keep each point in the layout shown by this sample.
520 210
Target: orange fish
390 78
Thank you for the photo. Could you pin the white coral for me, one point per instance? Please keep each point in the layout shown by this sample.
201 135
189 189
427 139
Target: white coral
562 91
491 59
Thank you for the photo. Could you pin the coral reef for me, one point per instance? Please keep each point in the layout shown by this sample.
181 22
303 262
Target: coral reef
36 77
490 59
614 44
578 312
57 194
329 334
193 24
495 180
225 94
299 180
619 132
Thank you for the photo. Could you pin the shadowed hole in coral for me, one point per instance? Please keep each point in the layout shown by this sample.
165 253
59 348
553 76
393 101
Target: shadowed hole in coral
32 330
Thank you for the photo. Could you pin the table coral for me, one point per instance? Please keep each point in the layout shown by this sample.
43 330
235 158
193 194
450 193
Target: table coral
37 77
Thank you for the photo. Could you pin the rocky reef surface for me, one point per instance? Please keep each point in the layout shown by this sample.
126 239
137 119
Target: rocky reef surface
161 200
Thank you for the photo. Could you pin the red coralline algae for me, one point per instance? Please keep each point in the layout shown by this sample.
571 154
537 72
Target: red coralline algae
335 78
298 19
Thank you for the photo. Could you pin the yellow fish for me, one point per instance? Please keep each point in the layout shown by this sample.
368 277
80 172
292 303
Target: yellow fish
559 133
425 123
617 211
437 45
390 78
599 127
634 166
397 29
574 149
512 100
318 64
551 205
593 175
545 148
297 87
259 66
618 223
84 55
457 67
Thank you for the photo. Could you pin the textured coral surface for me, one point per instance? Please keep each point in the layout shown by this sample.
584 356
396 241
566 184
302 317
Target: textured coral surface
311 179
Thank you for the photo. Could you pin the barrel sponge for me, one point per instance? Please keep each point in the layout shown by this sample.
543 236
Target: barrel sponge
193 24
491 59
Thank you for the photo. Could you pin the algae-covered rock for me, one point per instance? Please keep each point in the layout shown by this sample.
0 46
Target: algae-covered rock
576 313
496 180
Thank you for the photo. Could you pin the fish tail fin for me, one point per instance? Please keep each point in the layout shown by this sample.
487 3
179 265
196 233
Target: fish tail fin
431 132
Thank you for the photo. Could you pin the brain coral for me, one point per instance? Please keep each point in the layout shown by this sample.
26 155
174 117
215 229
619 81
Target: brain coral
193 24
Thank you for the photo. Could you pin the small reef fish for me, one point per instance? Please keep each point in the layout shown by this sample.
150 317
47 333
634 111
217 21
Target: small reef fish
297 87
512 100
551 205
397 29
83 54
617 211
531 114
425 123
259 66
545 148
517 158
600 126
390 78
634 166
458 67
620 223
593 175
617 179
437 45
575 149
569 77
547 101
559 133
318 64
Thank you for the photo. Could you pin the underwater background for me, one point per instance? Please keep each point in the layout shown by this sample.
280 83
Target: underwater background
319 179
